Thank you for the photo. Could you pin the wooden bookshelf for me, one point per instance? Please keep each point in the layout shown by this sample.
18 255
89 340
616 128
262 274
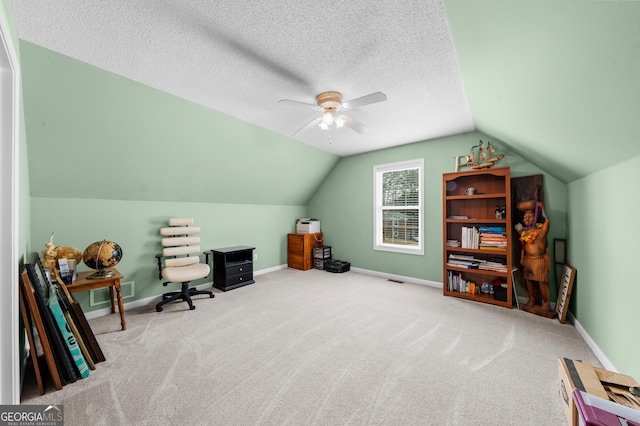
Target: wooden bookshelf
469 214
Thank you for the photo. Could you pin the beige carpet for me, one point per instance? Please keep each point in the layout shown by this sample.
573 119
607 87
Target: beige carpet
315 348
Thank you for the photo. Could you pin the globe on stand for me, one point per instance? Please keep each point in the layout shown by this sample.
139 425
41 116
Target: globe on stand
102 256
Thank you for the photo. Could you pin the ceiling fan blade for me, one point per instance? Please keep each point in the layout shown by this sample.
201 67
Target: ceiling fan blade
296 103
353 124
308 125
365 100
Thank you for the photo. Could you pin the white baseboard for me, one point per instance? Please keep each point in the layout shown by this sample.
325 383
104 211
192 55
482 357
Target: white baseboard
266 271
398 277
602 357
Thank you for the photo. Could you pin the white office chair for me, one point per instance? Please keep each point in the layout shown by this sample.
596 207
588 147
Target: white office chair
181 265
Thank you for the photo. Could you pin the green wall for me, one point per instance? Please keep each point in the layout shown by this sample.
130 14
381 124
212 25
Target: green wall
344 204
96 135
134 226
603 211
556 78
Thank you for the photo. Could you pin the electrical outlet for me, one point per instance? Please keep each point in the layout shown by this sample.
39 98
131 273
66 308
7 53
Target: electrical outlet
255 256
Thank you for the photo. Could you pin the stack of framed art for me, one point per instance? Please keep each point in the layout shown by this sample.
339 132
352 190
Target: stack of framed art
57 329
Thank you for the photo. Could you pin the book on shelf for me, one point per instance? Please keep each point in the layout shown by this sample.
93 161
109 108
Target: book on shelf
470 237
490 247
461 256
462 265
493 243
463 261
487 268
457 217
453 243
493 237
493 229
494 249
493 265
456 283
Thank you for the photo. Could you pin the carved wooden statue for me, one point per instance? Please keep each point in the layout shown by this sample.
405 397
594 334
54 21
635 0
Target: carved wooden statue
534 258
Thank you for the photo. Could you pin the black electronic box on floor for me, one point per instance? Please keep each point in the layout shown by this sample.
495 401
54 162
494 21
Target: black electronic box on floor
337 266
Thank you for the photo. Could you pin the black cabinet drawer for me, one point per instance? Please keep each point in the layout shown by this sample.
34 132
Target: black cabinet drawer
238 280
239 269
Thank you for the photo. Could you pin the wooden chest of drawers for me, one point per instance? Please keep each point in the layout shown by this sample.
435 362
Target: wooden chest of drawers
300 249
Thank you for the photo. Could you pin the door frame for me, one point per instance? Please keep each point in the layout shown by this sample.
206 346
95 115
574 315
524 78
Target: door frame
9 209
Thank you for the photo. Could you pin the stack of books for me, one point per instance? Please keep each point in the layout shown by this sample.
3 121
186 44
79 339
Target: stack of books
463 261
453 243
493 238
497 265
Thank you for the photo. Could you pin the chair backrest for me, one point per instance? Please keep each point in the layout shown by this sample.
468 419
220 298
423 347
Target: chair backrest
179 242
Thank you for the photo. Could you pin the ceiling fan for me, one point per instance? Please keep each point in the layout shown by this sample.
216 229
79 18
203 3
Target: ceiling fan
330 103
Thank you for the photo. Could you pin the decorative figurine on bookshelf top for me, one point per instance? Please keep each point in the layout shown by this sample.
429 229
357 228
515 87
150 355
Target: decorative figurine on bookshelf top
480 157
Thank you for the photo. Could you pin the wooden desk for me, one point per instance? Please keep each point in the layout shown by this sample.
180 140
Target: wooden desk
83 284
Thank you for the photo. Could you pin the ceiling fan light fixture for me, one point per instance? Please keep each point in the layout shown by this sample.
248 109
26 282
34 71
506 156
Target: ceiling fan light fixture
327 117
330 103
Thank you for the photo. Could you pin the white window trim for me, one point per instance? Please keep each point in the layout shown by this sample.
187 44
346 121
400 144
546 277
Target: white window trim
377 206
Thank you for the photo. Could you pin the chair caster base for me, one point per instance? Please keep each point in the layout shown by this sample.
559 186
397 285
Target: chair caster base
183 295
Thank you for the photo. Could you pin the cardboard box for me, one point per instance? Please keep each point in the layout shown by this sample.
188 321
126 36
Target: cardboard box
595 381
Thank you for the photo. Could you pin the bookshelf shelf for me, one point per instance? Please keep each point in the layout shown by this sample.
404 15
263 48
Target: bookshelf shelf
477 250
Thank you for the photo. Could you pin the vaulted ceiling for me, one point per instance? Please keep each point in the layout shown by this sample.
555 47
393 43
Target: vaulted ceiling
556 82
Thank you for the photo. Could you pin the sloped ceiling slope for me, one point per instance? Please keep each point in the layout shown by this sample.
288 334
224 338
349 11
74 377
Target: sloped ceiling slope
241 58
95 135
557 81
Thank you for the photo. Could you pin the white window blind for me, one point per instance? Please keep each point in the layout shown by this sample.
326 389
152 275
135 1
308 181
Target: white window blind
398 201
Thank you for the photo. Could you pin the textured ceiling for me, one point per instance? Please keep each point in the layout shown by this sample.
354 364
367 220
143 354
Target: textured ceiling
240 58
556 81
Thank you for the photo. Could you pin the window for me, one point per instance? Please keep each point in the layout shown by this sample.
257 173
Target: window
398 202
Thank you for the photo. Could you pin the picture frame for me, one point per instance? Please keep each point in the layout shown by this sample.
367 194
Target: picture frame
79 320
66 319
69 338
559 259
564 291
37 335
559 250
40 286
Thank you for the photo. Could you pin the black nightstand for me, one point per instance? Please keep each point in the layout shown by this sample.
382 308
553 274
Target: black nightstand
232 267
